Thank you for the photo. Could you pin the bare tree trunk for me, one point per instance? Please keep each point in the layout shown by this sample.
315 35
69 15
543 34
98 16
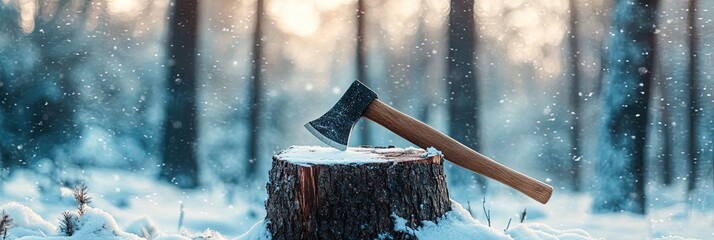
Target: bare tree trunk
461 78
694 106
666 156
180 127
362 63
667 147
664 153
621 167
461 72
575 152
255 91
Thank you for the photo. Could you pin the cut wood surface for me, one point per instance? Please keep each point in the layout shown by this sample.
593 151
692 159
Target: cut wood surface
324 193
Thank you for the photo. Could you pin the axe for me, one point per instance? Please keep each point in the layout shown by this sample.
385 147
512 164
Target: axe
334 129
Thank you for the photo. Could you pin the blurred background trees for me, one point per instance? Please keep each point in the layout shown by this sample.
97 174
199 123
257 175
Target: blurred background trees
621 165
256 90
462 84
575 95
695 97
180 133
87 83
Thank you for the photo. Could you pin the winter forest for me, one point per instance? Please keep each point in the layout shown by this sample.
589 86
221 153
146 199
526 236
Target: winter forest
129 119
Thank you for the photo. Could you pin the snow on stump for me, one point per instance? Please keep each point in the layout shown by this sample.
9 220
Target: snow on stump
324 193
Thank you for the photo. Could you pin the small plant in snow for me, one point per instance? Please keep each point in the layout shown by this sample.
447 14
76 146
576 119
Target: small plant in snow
522 216
69 220
487 213
148 232
144 228
68 223
81 197
468 203
180 222
5 222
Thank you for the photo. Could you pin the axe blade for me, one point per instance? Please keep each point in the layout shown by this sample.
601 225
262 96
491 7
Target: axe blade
335 127
341 145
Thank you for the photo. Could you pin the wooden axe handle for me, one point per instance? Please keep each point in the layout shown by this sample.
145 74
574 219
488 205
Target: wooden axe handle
425 136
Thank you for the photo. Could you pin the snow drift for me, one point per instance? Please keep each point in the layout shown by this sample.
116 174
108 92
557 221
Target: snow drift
95 223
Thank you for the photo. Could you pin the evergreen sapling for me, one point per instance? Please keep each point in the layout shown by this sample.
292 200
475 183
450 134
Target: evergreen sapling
67 223
81 197
5 222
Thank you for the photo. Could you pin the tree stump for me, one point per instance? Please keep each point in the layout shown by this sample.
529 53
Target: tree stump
324 193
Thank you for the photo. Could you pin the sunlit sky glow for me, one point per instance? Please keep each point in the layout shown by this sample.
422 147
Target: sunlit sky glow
28 11
301 18
532 31
527 32
123 7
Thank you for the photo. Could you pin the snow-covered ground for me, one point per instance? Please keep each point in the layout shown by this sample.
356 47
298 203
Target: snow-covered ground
132 197
127 203
669 215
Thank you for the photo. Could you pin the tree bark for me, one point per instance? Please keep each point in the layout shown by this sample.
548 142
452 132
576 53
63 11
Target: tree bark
180 126
461 73
575 153
255 90
694 108
311 197
462 87
667 128
361 61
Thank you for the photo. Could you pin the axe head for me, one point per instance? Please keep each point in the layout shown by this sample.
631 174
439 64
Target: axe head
334 127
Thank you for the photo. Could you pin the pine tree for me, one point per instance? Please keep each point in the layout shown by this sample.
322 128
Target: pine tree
620 168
